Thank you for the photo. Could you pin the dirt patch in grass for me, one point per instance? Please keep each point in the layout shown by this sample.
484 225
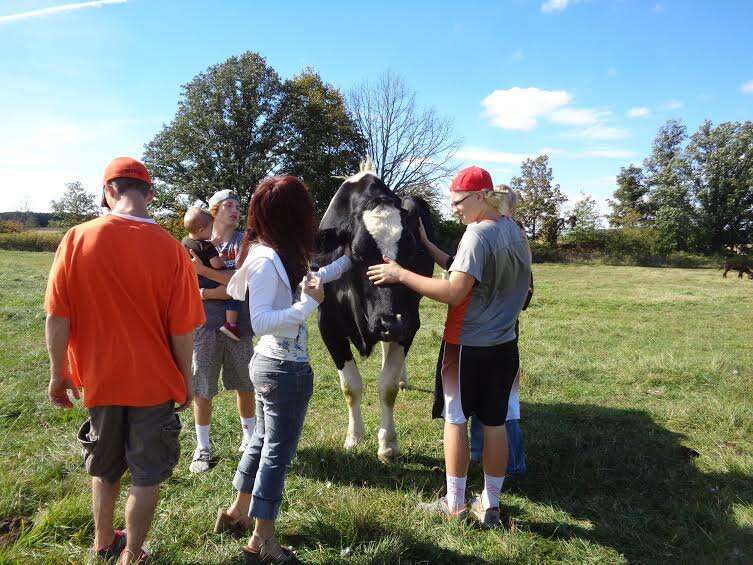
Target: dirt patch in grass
10 529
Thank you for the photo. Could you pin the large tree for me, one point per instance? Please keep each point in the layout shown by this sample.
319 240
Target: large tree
667 180
320 142
411 147
225 134
630 206
720 163
75 206
541 198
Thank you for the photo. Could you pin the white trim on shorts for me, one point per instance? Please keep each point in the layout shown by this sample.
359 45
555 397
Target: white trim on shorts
452 410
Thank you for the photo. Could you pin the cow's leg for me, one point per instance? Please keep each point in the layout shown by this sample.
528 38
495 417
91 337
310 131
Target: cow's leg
393 361
403 382
351 384
350 379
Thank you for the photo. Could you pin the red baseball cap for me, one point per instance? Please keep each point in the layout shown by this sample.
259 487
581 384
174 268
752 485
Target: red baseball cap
472 179
126 167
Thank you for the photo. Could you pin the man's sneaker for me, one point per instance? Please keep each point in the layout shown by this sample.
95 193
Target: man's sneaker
244 444
111 553
488 517
202 461
231 331
440 507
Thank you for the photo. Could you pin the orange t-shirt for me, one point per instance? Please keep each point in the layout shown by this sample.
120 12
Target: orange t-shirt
126 285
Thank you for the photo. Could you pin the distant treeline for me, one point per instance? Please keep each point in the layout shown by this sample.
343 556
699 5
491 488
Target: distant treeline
28 219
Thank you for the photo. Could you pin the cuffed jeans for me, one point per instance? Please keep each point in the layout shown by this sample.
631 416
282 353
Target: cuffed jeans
283 390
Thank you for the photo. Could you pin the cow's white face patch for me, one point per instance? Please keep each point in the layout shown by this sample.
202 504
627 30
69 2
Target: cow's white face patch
385 226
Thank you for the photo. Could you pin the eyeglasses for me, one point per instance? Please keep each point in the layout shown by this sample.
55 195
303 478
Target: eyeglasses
456 202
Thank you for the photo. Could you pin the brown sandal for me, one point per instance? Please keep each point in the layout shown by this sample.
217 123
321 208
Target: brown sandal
226 523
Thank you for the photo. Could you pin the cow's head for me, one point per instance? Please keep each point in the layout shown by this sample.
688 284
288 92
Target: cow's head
384 229
369 218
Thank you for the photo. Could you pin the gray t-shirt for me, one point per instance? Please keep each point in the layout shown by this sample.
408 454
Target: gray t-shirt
215 309
496 254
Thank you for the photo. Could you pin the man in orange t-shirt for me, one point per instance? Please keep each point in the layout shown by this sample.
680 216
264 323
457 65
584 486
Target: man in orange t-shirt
122 304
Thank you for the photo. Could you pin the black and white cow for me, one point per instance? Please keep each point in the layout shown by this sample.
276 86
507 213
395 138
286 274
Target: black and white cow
367 217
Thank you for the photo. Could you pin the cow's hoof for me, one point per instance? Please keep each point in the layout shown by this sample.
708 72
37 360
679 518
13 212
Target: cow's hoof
352 440
388 454
388 449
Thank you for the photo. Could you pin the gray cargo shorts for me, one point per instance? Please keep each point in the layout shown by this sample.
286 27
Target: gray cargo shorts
144 440
214 351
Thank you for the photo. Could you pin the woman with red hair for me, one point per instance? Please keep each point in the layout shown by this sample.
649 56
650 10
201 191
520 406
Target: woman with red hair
279 245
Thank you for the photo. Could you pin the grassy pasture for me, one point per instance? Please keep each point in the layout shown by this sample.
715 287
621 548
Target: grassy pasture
637 413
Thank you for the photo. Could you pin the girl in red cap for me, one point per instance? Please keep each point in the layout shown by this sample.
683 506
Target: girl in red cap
478 358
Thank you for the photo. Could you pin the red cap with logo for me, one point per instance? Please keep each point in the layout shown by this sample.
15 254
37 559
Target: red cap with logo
127 167
472 179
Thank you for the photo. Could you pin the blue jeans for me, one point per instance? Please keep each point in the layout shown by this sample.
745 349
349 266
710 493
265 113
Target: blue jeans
516 456
283 390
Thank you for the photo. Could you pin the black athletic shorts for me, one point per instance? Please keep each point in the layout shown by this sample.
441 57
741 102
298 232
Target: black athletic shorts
475 380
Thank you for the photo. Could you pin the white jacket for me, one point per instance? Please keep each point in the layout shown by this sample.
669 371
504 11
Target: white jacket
270 300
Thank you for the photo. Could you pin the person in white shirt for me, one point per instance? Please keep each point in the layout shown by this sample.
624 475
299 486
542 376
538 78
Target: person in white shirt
282 295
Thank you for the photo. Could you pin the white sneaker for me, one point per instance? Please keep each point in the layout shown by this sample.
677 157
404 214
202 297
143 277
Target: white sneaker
202 461
243 445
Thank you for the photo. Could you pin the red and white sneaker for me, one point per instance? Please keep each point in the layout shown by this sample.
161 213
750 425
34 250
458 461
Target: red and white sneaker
231 331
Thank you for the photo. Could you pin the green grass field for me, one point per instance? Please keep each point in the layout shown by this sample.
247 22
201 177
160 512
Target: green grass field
637 413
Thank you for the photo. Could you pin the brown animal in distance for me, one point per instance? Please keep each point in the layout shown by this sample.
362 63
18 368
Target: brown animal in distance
739 266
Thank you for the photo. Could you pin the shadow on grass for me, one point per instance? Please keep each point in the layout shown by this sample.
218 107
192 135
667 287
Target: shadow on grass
633 481
361 468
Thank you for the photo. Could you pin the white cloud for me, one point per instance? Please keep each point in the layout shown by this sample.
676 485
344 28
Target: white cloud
578 116
551 151
53 10
484 155
554 6
600 132
747 88
517 55
638 112
518 108
670 105
606 153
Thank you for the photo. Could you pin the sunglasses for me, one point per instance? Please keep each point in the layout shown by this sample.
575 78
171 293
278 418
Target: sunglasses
456 202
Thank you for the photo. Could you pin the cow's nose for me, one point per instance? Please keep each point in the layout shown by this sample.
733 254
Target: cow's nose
390 326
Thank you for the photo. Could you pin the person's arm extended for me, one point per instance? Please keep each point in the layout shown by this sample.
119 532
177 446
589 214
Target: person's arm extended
182 348
220 276
334 270
440 257
451 291
57 334
218 293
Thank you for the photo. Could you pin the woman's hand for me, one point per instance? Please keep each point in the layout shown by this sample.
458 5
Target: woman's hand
386 273
314 287
198 266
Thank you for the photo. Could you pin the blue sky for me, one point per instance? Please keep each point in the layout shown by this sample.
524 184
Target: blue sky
588 81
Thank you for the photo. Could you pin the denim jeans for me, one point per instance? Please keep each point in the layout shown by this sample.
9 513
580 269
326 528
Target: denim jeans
283 390
516 456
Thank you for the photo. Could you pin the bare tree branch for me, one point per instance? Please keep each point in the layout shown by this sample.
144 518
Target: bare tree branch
411 148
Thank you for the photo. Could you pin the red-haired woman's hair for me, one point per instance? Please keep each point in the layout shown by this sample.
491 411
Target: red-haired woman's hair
281 215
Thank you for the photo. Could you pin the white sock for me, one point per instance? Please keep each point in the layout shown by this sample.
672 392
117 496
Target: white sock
492 488
202 436
455 493
248 427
